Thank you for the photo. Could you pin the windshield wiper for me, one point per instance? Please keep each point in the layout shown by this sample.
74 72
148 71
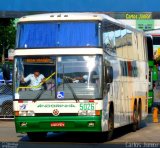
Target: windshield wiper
70 88
43 90
39 94
68 85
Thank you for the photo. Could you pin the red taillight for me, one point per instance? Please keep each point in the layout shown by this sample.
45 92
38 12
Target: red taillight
91 100
20 101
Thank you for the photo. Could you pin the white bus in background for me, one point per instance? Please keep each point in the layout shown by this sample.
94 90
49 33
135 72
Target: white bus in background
96 74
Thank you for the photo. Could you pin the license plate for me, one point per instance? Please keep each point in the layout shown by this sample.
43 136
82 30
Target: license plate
57 124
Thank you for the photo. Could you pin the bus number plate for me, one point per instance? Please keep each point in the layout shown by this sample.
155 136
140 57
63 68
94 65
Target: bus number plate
87 106
57 124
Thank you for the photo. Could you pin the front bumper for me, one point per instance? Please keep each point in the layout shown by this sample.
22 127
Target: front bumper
72 124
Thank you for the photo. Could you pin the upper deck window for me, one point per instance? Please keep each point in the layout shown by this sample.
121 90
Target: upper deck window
58 34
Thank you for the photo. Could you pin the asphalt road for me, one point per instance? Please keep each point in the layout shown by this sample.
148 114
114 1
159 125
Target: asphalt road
148 134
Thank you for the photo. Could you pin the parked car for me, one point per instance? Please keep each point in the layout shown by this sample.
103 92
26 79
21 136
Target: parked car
2 79
6 99
6 105
1 76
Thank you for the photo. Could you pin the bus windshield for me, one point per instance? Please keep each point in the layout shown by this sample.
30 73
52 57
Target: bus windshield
61 77
57 34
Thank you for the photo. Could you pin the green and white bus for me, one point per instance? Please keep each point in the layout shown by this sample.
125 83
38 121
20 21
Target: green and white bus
154 100
95 69
152 72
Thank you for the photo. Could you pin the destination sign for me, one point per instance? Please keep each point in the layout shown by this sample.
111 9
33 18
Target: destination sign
38 60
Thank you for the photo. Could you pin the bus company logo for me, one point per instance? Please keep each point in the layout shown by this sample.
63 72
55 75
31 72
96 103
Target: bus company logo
55 112
23 107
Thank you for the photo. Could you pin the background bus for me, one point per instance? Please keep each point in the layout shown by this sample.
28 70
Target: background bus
96 72
152 71
155 70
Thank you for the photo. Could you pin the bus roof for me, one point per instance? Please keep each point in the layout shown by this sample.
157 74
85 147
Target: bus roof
73 17
64 16
155 32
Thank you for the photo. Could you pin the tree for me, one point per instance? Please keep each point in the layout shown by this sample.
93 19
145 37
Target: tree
7 36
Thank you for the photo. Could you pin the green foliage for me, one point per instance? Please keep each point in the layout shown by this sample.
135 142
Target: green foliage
7 35
6 21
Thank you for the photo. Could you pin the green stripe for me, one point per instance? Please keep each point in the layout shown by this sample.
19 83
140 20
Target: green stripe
72 123
150 63
150 98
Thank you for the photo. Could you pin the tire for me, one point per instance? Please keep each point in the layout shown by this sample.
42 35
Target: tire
107 136
37 136
135 118
7 109
139 116
110 126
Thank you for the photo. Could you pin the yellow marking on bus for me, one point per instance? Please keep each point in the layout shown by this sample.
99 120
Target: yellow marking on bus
143 101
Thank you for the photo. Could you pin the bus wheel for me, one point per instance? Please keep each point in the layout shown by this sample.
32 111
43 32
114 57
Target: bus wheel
110 126
37 136
106 136
139 115
135 118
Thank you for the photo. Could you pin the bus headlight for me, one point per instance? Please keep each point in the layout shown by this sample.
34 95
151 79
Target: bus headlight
26 113
30 113
23 113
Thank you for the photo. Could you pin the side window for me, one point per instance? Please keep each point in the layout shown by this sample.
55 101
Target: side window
121 42
129 37
118 40
135 46
141 47
132 39
109 38
124 43
124 68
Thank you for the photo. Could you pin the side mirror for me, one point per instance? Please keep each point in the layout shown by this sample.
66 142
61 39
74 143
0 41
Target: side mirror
108 74
6 71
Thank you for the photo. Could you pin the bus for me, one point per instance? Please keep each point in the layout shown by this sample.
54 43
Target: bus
152 72
95 69
155 74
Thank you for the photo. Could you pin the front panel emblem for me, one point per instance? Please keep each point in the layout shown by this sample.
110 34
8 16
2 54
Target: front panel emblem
55 112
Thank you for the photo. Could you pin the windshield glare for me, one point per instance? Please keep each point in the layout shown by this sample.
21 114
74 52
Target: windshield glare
57 34
63 77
